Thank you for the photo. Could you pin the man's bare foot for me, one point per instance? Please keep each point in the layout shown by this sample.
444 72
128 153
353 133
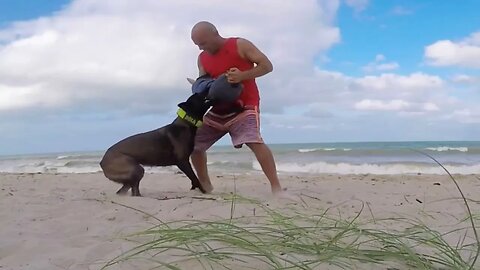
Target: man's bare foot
276 190
207 186
284 194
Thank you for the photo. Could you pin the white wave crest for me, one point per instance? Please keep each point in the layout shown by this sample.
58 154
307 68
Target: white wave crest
447 148
346 168
307 150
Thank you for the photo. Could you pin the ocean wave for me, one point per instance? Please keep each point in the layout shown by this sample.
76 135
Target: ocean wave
93 166
230 165
447 148
309 158
80 163
346 168
307 150
80 156
222 162
49 169
53 165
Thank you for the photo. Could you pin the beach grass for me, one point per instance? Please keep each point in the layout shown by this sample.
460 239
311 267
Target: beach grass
304 237
298 239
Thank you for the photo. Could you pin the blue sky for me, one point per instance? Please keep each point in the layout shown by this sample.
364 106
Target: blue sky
80 75
17 10
400 30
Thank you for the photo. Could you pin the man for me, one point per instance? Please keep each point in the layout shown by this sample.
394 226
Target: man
241 62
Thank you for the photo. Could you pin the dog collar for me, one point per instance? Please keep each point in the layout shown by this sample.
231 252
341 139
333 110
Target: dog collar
183 114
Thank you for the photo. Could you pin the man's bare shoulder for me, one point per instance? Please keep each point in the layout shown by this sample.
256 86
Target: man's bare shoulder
245 46
244 42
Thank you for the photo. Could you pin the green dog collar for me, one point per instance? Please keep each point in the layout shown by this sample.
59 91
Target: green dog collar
183 114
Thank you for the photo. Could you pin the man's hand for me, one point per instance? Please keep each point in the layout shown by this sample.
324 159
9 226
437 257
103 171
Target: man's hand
234 75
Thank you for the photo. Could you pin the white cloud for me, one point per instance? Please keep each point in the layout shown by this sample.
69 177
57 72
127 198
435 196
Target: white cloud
330 95
414 94
387 66
379 105
431 107
405 108
358 5
380 65
14 98
468 116
415 81
379 58
135 55
465 53
317 110
462 78
401 11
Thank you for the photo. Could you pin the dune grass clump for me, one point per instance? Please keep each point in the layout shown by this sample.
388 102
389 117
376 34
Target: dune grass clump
294 238
297 240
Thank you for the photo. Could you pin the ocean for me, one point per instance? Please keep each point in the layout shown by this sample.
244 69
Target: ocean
459 157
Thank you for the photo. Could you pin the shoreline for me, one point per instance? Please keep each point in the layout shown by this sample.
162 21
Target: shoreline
76 221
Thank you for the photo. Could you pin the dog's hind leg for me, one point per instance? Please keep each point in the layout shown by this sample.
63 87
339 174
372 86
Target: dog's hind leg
134 182
186 168
137 175
123 190
123 169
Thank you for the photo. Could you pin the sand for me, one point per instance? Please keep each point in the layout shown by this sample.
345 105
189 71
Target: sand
76 221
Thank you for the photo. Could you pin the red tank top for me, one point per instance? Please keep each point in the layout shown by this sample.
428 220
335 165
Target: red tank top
227 57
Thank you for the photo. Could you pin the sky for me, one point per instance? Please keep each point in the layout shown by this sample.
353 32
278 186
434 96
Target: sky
81 75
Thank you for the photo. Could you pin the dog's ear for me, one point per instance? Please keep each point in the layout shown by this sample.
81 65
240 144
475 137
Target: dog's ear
182 105
204 76
191 81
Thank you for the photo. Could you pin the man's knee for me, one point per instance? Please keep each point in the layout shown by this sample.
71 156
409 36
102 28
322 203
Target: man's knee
261 150
197 152
255 146
198 155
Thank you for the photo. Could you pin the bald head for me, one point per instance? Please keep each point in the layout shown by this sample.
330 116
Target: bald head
204 27
206 37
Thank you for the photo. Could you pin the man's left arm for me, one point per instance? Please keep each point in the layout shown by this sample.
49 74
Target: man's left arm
250 52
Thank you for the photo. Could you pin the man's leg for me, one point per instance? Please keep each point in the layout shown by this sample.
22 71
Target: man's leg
205 137
199 161
246 130
265 158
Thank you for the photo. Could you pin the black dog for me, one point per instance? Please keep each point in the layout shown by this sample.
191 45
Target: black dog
168 145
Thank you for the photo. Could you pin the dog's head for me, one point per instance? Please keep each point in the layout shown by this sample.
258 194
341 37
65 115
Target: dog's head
196 105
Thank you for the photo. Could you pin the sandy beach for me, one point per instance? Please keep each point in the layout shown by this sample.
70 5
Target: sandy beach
76 221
